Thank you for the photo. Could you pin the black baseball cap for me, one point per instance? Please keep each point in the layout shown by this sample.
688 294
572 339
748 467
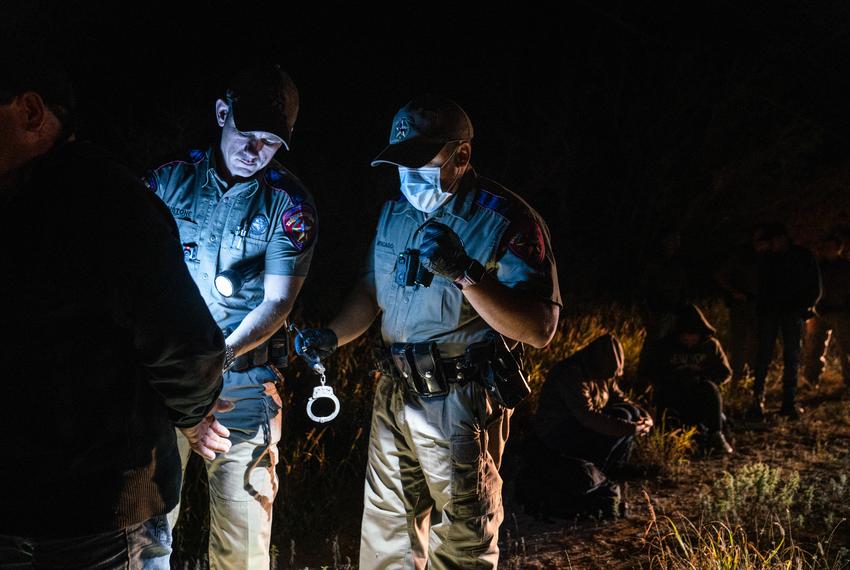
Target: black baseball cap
264 98
421 128
30 66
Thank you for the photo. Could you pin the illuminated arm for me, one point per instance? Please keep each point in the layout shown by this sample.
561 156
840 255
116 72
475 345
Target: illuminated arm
261 323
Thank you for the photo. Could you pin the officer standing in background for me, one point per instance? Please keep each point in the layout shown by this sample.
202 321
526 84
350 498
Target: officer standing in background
456 262
789 286
247 226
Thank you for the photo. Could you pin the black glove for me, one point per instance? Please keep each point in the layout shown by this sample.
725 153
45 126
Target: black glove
442 252
315 344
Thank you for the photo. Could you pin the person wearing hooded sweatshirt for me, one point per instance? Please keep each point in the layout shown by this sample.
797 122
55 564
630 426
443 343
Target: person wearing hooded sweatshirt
685 370
583 413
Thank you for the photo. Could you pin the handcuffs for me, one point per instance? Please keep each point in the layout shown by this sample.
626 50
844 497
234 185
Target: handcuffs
319 392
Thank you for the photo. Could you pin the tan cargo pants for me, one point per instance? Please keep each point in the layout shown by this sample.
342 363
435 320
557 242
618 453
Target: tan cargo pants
433 493
243 484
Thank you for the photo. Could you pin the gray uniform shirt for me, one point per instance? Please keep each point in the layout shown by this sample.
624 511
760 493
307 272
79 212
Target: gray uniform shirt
497 228
265 224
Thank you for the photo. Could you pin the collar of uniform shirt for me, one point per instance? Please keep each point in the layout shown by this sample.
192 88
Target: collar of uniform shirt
215 180
461 204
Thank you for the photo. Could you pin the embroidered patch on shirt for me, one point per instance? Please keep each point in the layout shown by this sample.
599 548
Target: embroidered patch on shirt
299 224
259 225
528 244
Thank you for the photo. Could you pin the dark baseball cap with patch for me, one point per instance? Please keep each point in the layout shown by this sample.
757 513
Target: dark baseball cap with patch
421 128
264 98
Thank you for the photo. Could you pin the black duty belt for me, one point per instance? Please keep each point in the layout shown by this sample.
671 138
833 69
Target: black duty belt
425 372
490 363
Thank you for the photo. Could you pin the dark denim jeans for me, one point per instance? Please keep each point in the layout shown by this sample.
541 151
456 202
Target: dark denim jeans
143 547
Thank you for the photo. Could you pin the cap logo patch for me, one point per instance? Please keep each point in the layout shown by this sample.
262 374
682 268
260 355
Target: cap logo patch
402 129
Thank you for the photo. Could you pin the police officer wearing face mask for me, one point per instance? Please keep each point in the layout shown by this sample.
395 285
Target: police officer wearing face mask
460 270
247 227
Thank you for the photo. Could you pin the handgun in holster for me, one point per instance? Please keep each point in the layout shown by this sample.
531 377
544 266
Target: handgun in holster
500 369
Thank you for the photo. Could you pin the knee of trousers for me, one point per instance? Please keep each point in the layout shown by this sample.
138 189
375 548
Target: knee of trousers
474 511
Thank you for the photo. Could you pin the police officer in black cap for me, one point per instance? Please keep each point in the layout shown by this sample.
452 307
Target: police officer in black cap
248 227
457 262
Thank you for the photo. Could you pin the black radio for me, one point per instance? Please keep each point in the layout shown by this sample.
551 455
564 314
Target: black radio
409 272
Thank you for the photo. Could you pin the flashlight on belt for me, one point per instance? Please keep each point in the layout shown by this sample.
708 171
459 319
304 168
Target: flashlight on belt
230 281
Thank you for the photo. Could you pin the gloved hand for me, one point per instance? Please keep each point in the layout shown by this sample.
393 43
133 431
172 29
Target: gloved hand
315 344
442 252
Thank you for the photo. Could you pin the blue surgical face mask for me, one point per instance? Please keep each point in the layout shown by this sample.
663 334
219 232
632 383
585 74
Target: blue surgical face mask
421 187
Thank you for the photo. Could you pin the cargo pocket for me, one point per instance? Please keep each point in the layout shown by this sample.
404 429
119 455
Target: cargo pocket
475 507
467 464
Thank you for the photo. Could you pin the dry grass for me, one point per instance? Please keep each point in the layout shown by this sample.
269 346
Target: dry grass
785 476
720 545
667 450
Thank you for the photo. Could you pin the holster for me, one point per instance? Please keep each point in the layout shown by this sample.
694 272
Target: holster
275 350
421 367
500 369
258 356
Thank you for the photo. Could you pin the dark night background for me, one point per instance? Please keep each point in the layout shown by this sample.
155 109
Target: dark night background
614 119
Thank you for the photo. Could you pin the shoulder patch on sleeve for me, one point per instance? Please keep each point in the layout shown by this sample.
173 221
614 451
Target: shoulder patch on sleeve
525 240
280 179
299 225
196 156
490 201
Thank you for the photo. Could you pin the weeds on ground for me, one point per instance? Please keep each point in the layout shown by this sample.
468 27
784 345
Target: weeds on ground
723 545
666 449
757 493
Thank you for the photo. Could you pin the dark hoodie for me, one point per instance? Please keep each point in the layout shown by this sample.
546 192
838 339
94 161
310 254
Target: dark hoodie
582 386
671 361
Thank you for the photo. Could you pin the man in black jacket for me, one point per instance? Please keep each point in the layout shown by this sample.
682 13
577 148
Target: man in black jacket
108 343
789 286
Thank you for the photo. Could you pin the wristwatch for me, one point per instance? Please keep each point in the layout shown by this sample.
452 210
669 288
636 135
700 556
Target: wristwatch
229 357
472 275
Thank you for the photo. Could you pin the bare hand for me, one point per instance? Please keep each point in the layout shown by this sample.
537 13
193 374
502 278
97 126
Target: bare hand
642 426
210 437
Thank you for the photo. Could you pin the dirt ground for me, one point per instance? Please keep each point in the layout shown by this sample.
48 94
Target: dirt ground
816 446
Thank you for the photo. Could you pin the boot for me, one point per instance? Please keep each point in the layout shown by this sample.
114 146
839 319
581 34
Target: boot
717 442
